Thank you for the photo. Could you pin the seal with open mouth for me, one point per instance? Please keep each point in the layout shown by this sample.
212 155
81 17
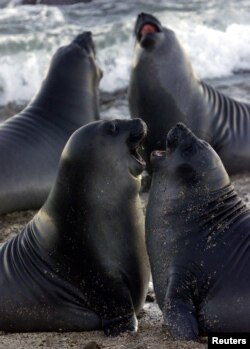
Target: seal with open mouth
81 262
31 142
164 90
198 236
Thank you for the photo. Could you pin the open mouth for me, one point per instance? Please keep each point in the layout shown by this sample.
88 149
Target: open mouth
172 141
146 24
158 154
134 152
146 29
134 142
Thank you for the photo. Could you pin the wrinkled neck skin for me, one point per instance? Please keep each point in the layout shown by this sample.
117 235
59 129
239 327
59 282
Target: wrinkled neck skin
181 218
195 211
72 95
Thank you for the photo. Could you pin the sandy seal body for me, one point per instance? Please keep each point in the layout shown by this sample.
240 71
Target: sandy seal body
32 141
81 262
164 90
197 233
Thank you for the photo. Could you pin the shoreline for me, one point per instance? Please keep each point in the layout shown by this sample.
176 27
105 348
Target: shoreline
108 100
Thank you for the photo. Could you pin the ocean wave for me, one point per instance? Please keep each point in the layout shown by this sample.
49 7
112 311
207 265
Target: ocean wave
215 53
34 34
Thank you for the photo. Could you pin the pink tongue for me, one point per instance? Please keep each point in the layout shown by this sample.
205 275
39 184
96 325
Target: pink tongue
148 28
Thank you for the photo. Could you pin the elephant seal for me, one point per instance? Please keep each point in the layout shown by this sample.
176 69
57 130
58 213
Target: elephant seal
197 235
81 262
32 141
164 90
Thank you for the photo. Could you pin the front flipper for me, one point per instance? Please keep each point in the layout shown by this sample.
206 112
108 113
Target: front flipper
114 304
118 314
179 311
124 323
180 319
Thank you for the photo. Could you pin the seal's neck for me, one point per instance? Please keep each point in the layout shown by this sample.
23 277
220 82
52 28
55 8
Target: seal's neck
217 209
206 213
215 103
77 102
80 202
221 111
75 216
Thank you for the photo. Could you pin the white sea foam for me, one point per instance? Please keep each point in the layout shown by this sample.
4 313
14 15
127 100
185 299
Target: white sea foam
115 63
216 53
25 57
213 53
20 76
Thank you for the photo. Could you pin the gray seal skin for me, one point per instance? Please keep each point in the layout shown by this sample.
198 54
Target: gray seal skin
81 262
32 141
164 90
197 236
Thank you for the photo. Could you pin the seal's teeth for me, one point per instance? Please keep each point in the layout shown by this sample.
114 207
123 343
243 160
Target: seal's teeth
158 153
134 153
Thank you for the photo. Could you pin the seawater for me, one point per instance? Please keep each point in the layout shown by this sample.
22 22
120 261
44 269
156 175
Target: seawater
216 35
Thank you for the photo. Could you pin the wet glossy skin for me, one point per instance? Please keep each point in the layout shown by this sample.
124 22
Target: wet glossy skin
81 262
164 90
31 142
197 233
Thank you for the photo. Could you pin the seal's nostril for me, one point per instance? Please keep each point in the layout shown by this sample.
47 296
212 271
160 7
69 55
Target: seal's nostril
182 126
139 128
141 15
85 41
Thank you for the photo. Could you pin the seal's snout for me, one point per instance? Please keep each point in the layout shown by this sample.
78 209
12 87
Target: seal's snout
85 41
145 26
182 129
173 138
142 15
176 135
138 131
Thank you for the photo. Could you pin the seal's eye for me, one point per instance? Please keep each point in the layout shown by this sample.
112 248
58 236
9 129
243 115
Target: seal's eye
112 128
188 151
